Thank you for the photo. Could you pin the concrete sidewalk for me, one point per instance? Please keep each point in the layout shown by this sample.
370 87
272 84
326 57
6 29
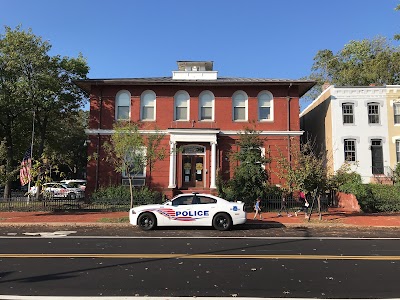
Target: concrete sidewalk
334 217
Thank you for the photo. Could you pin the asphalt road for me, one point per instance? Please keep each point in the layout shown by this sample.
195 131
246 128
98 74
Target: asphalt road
246 230
195 263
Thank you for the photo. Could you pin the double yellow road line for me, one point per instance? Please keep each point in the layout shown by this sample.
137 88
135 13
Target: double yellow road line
200 256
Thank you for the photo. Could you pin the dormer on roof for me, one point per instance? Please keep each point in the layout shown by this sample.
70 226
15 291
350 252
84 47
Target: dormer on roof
195 70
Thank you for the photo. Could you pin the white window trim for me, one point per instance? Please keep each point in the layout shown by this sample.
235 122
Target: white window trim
263 155
353 114
117 105
246 106
355 150
188 106
397 141
379 112
394 112
154 107
144 168
212 106
271 107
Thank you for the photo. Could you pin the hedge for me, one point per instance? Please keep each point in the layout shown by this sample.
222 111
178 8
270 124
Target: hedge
121 195
378 197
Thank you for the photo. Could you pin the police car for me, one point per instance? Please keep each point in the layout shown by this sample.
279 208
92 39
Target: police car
189 210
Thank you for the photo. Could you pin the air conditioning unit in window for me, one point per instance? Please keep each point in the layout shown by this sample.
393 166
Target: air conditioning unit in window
135 181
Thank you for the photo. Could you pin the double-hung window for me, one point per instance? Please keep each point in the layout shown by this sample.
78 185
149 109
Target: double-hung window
373 113
239 102
348 113
398 151
148 106
206 101
181 100
265 106
396 111
135 163
350 150
123 105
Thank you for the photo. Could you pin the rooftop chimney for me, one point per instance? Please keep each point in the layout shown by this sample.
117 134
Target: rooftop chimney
325 86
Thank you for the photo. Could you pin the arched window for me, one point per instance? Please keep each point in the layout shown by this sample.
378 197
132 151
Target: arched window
181 111
123 105
265 106
148 106
239 103
206 109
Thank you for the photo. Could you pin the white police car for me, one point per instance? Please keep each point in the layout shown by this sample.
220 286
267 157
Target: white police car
189 210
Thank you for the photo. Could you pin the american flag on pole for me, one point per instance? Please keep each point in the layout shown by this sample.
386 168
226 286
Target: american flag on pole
25 171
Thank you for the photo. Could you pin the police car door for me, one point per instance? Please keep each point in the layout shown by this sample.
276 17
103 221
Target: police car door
182 205
205 207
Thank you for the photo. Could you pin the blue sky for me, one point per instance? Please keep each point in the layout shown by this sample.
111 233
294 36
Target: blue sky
252 38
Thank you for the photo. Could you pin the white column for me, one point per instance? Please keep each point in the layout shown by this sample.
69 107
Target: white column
213 164
172 164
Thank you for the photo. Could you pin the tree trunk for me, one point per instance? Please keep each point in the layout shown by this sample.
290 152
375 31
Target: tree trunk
9 164
319 207
130 189
42 127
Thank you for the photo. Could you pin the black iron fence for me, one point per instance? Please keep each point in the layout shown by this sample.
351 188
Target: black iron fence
274 204
19 202
24 203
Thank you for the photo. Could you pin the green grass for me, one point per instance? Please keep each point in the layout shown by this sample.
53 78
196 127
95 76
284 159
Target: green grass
114 220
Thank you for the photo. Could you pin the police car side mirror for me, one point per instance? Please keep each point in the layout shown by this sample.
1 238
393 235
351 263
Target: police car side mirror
168 203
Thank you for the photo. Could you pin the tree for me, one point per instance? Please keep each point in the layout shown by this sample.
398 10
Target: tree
44 169
397 36
130 151
250 177
33 82
305 170
359 63
5 175
69 144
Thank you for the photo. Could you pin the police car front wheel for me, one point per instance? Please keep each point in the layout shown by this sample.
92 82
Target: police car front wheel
147 221
222 221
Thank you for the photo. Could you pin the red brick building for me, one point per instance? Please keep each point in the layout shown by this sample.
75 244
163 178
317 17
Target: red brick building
200 114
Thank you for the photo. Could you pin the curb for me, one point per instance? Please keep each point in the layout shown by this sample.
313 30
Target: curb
54 224
125 225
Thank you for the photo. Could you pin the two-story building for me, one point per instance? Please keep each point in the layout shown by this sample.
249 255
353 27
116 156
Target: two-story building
357 125
200 113
393 108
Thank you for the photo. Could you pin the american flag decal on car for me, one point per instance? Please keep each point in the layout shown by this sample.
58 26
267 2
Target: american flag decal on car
166 212
171 214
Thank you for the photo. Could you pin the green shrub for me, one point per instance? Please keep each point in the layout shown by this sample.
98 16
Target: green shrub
378 198
121 195
346 181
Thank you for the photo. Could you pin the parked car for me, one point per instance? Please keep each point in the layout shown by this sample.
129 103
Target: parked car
59 190
190 210
75 183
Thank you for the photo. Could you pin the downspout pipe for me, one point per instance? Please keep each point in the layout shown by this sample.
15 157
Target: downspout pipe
99 139
288 98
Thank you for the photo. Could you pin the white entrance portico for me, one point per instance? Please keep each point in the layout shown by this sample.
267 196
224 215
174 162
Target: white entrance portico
192 136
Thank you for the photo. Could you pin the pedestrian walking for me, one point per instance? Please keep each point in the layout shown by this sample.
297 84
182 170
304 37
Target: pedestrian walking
304 205
283 205
257 209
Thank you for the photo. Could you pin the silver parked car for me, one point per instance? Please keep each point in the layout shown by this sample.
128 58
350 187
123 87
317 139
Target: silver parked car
59 190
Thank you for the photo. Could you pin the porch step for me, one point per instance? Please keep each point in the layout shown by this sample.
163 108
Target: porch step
382 179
